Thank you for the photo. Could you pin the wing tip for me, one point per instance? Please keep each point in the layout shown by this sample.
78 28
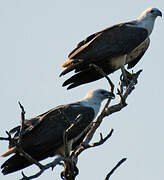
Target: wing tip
10 151
63 73
67 70
71 86
65 83
67 63
4 171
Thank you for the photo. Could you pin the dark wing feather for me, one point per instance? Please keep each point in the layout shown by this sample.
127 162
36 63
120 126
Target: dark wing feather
88 75
54 120
136 55
136 60
89 38
116 40
47 136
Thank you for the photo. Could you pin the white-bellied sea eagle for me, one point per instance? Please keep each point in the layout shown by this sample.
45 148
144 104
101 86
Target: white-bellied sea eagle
110 49
43 135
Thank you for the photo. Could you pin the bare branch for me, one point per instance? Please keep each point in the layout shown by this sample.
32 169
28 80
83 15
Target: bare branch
28 157
102 140
65 116
112 171
22 122
96 123
92 131
65 143
68 172
57 161
18 144
85 146
70 160
100 70
8 138
70 169
123 95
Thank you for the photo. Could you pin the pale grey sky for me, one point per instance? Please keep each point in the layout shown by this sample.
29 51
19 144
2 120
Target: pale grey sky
35 38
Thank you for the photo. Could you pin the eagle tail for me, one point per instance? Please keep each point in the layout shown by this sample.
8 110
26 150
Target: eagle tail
10 151
67 63
67 70
70 68
17 162
14 163
82 77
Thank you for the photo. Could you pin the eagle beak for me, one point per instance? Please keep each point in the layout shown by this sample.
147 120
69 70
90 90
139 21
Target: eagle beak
111 95
159 13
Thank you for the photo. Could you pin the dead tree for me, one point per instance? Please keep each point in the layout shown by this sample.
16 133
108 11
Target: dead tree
69 162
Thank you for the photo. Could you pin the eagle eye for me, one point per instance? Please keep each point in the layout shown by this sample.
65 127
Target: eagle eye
102 92
152 11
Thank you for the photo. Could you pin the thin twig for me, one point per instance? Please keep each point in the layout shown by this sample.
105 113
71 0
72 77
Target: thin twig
52 164
112 171
102 140
22 122
96 123
9 138
65 144
28 157
67 131
70 169
70 159
65 116
85 146
18 144
100 70
92 130
123 95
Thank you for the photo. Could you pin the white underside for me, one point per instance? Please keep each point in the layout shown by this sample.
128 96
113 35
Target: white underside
119 61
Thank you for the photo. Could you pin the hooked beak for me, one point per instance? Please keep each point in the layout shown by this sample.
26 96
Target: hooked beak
159 13
111 95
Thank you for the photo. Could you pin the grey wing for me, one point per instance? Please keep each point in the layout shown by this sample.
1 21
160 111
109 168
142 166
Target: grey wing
27 125
47 136
85 41
49 132
118 39
114 41
137 54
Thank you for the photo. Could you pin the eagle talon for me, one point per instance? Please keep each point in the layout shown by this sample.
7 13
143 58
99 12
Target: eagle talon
128 77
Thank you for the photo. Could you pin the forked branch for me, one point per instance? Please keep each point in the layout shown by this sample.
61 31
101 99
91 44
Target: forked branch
70 160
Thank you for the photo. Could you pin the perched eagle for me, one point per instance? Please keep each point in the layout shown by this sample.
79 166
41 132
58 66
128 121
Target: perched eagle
110 49
43 135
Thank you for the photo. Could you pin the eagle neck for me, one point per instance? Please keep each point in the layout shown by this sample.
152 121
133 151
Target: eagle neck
93 103
146 22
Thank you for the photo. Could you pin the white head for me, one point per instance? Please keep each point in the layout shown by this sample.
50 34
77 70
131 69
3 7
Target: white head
95 97
99 95
147 18
151 13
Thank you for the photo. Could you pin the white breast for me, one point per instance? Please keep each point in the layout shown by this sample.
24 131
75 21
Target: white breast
118 61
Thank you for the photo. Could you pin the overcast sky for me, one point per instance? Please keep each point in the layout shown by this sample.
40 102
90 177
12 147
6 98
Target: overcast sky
36 36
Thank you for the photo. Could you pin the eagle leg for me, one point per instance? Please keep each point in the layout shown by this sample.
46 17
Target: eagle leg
127 77
70 170
124 74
